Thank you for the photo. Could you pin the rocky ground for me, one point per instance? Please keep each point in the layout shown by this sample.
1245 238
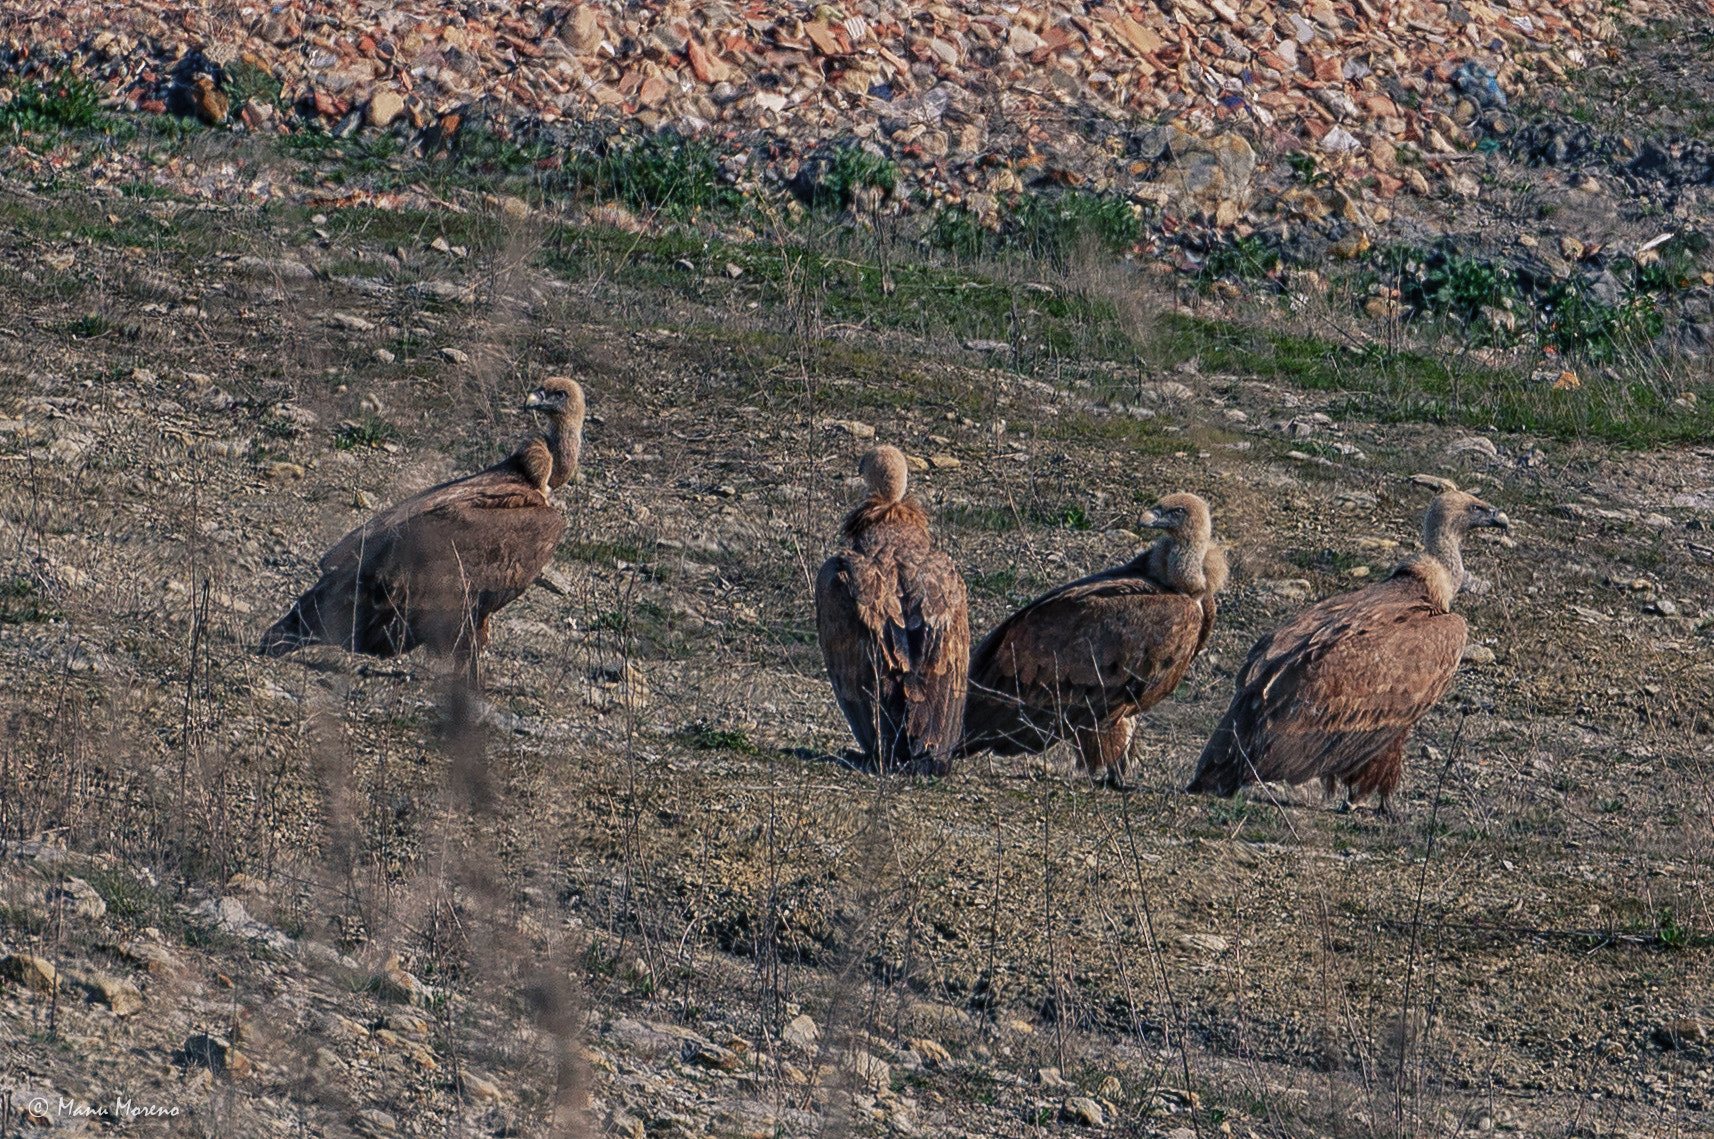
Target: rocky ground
642 896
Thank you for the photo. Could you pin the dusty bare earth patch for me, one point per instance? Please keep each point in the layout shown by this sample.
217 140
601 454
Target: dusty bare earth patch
643 895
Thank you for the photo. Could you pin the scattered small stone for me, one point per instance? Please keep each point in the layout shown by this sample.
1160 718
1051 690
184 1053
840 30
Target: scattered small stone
1290 589
851 427
79 897
283 470
117 994
350 322
734 271
554 580
944 462
455 356
395 986
384 107
374 1121
30 971
1473 443
1085 1111
708 1055
802 1032
1208 943
283 268
478 1087
1477 655
871 1070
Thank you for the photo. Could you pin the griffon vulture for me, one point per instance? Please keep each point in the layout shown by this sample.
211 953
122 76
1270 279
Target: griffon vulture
894 627
432 569
1333 694
1084 660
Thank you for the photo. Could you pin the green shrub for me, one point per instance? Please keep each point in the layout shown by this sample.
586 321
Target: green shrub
663 172
1047 227
51 106
850 170
1246 258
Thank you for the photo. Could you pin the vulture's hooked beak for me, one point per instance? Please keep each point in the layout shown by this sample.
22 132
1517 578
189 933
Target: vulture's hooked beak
537 401
1498 518
1154 520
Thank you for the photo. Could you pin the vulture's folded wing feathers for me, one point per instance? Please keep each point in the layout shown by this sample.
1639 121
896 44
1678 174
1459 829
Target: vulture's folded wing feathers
1075 656
1335 688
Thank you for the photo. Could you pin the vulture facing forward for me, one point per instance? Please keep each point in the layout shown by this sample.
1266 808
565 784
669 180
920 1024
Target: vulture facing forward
1084 660
1333 694
432 569
894 628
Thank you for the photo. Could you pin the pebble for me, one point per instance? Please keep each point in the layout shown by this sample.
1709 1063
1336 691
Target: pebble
802 1032
31 971
850 427
374 1121
116 993
1207 943
478 1087
1085 1111
454 356
79 897
384 107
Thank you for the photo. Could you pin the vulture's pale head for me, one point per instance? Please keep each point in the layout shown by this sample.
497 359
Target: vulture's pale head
559 398
1184 516
1454 513
886 472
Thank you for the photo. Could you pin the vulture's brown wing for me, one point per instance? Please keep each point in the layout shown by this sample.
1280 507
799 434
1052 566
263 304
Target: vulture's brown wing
848 648
937 630
1074 656
1329 690
427 569
893 625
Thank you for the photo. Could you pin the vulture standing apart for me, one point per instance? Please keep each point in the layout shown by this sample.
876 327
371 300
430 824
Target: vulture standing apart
894 628
1333 694
1084 660
432 569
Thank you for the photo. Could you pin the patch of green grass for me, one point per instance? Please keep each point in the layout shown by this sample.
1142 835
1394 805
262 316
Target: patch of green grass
51 106
22 602
917 297
86 327
246 81
998 583
1403 386
850 170
1245 258
1047 227
703 737
133 901
999 519
145 190
1074 517
662 172
370 432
